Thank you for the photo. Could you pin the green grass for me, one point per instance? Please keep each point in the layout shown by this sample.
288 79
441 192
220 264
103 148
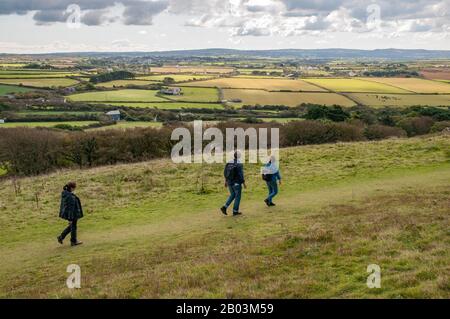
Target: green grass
40 83
46 124
20 75
123 83
151 230
126 125
5 89
59 113
176 77
191 94
118 96
171 105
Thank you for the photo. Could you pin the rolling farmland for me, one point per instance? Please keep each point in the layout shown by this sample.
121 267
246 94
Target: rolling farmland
176 77
263 84
400 100
170 105
415 85
41 82
5 89
123 83
252 97
192 94
191 69
118 96
354 85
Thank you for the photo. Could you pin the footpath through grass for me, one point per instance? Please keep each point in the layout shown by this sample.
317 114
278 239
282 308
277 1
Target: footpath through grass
154 230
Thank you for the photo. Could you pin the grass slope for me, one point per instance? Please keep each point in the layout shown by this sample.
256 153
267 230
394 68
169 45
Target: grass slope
5 89
151 230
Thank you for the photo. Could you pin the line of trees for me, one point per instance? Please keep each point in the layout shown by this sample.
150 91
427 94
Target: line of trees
111 76
28 151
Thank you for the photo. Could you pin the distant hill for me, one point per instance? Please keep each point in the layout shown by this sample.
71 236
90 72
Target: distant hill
390 54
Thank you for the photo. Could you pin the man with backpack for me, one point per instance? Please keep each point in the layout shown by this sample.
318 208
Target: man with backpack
234 180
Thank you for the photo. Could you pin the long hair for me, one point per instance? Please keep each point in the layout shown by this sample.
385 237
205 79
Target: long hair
70 186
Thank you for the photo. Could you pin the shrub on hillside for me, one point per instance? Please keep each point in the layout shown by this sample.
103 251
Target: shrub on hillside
440 126
379 132
314 132
26 151
416 125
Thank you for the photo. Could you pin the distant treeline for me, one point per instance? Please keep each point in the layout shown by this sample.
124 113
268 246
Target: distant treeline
27 151
391 73
111 76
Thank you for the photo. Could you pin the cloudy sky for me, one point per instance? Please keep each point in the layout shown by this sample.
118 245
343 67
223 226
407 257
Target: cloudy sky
36 26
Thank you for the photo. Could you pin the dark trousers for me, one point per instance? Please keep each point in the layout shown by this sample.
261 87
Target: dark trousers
72 229
235 195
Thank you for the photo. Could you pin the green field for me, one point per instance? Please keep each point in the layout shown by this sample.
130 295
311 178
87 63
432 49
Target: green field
274 84
253 97
381 100
20 75
5 89
150 234
40 83
119 83
46 124
171 105
118 96
126 125
176 77
354 85
190 94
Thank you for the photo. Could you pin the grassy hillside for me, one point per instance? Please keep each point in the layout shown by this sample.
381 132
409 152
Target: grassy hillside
154 229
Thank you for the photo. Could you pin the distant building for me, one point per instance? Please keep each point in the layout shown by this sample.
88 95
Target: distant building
114 115
171 91
2 121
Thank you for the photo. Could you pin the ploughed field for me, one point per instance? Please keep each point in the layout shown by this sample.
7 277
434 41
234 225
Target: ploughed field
154 230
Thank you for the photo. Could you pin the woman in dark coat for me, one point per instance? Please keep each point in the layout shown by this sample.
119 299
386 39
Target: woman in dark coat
71 211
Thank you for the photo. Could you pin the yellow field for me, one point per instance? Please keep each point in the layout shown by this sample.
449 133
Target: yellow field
264 84
119 83
176 77
40 83
252 97
415 85
354 85
191 69
381 100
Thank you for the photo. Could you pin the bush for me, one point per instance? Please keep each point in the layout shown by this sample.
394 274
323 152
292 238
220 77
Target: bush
440 126
314 132
379 132
416 125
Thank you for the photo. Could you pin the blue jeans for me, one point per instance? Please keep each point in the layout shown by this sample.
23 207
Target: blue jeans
235 195
273 190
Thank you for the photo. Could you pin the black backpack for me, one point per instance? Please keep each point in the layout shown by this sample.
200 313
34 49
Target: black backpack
267 177
232 172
